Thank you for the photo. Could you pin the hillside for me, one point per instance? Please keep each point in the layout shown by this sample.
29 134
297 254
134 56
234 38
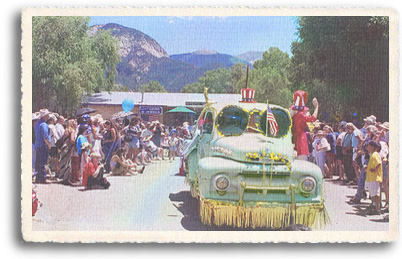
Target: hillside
206 58
143 59
250 56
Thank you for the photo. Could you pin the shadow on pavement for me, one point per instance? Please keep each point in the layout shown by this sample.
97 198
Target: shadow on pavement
359 210
383 220
341 183
188 206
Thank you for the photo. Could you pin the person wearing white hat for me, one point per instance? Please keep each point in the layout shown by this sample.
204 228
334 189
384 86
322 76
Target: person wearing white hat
42 145
384 132
371 120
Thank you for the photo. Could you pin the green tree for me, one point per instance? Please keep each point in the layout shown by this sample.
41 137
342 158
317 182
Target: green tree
153 86
68 63
220 80
347 59
195 87
270 78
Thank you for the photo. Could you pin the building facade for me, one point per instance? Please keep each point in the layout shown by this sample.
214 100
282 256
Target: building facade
156 106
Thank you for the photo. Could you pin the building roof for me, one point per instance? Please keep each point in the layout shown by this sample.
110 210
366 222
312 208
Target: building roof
181 109
161 99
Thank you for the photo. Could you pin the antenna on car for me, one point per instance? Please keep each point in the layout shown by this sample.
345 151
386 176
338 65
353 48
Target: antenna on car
247 77
247 94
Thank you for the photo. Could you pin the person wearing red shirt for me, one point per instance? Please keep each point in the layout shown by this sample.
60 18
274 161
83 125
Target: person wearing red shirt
93 173
300 119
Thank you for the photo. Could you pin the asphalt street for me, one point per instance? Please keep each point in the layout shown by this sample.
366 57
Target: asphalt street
159 200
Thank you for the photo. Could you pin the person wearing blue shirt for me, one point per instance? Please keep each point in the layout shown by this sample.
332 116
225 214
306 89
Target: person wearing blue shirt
42 146
347 150
356 138
81 139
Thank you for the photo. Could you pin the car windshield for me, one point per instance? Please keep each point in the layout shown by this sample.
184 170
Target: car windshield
234 121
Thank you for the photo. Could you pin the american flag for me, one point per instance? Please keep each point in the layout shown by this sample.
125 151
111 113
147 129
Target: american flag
273 125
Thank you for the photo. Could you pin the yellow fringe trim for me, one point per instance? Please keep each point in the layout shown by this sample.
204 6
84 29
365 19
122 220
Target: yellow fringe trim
274 217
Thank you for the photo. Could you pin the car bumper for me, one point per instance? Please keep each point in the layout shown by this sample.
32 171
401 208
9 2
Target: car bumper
262 214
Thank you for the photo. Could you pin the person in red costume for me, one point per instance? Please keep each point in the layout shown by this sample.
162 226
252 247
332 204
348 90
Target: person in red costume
300 119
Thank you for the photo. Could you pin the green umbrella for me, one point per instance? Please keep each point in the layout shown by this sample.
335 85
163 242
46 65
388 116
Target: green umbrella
181 109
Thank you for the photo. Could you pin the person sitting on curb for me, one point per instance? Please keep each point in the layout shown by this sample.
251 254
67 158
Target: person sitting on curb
152 150
121 166
93 174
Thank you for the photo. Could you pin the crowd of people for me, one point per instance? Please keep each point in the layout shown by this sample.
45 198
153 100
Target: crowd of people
358 156
80 151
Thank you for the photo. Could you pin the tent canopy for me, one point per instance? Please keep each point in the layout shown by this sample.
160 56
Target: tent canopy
181 109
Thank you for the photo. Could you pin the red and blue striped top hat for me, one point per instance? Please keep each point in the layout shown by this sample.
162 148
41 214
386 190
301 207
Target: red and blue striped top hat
299 101
247 95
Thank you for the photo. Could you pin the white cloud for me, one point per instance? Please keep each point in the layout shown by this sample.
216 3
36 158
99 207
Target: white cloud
173 19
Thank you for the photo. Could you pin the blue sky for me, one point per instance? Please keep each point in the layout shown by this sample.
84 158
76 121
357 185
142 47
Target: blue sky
229 35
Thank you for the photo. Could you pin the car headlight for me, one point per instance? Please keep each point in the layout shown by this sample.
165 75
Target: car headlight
221 182
308 184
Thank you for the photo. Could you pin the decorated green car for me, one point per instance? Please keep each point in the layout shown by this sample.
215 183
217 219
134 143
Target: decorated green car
244 174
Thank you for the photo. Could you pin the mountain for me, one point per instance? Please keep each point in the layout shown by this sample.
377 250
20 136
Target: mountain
143 59
205 59
250 56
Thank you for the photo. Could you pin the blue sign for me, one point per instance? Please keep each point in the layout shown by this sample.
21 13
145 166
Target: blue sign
149 110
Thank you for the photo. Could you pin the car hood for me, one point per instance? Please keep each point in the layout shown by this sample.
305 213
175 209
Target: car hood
252 147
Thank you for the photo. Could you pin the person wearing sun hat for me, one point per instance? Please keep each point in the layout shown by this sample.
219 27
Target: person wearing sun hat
384 131
370 120
300 119
42 145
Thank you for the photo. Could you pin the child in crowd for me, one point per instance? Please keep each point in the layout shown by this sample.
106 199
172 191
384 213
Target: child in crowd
165 145
374 177
173 143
